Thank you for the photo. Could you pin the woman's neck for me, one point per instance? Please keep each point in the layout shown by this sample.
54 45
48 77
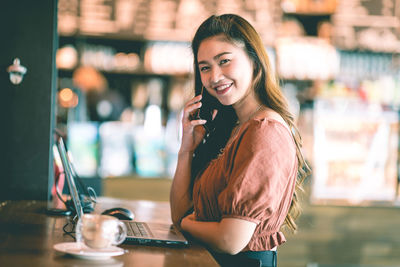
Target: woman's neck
247 108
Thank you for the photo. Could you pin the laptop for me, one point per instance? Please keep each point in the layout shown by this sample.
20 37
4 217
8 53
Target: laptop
73 191
138 232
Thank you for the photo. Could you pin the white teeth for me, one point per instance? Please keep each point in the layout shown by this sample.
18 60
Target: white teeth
222 87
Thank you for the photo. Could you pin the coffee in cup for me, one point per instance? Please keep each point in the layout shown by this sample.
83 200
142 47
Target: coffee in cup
100 231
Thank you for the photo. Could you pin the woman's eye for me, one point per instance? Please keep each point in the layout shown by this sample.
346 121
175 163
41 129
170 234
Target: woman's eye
224 61
203 68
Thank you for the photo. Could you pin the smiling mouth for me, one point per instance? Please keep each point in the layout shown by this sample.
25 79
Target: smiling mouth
223 88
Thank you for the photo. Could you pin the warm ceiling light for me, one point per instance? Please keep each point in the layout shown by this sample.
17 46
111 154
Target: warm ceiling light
67 98
66 94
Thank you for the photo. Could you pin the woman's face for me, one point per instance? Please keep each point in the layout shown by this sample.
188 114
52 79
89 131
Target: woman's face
225 69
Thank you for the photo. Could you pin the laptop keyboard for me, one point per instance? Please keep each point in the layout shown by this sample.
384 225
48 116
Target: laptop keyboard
136 229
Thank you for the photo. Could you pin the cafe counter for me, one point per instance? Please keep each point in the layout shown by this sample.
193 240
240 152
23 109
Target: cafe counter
28 235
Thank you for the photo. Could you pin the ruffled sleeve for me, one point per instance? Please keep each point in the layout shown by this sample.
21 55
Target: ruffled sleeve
263 159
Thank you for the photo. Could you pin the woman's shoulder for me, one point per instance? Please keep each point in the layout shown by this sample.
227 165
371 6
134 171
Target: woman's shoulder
268 117
268 130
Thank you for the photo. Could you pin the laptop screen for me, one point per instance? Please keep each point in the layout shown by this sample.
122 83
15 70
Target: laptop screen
70 180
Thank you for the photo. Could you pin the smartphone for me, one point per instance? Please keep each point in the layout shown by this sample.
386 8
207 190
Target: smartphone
206 110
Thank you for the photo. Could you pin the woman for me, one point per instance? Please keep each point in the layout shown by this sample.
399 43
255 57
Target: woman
239 166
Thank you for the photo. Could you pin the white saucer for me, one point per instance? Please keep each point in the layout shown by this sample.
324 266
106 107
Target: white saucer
80 250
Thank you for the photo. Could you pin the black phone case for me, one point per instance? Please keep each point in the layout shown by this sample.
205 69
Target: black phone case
209 104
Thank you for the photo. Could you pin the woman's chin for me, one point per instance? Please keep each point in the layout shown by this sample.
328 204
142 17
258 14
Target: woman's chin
225 102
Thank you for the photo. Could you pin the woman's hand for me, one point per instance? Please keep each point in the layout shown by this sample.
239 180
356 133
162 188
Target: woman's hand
187 220
193 133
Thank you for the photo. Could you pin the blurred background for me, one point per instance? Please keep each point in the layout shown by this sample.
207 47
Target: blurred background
125 71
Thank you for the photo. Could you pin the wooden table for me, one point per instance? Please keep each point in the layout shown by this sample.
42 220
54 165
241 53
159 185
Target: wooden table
27 237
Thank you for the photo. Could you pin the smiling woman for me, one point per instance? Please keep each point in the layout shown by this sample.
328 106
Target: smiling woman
226 71
237 179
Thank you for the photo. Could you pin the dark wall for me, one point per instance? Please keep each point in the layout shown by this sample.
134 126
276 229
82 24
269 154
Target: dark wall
28 31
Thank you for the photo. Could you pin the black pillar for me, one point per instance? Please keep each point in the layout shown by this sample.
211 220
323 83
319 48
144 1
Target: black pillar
28 31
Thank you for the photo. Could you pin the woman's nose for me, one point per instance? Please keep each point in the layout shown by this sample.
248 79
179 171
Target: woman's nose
216 75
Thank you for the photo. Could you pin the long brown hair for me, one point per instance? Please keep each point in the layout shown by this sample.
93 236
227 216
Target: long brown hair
266 86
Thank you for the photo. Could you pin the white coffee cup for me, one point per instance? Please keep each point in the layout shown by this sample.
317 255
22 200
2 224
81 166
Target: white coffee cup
100 231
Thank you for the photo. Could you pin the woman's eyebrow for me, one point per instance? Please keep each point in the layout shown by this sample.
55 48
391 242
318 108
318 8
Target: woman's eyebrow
215 57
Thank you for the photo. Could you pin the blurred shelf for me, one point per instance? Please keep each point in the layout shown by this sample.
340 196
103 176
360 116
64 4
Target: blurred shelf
101 36
309 14
140 72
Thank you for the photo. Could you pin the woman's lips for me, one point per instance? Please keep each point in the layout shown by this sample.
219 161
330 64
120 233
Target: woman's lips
223 89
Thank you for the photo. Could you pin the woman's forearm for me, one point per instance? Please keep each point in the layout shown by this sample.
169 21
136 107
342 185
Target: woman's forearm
180 195
227 236
192 134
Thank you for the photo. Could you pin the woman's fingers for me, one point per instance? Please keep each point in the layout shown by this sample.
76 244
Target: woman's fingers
198 122
194 100
191 108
